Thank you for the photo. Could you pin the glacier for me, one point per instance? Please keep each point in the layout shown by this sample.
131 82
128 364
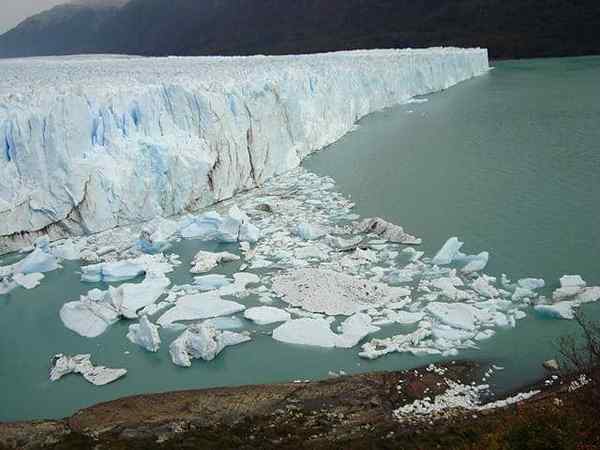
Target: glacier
90 143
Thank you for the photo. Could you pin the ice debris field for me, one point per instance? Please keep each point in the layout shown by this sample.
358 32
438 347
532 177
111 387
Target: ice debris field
322 276
109 160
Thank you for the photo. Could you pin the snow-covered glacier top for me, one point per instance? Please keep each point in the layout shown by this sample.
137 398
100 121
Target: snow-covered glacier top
88 143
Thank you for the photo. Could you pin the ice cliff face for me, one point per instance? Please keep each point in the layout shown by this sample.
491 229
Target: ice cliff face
91 143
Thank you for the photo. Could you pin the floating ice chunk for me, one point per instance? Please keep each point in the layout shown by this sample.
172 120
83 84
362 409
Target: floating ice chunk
202 341
483 287
131 297
90 316
387 231
206 261
522 293
240 281
265 315
354 329
96 311
406 318
531 283
399 343
448 287
144 334
329 292
199 306
317 332
309 232
40 260
340 243
28 281
448 252
475 263
564 292
63 365
112 272
225 323
456 315
155 236
572 281
211 282
560 310
588 295
246 231
66 250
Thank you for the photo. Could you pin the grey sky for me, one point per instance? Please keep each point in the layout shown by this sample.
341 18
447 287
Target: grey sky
14 11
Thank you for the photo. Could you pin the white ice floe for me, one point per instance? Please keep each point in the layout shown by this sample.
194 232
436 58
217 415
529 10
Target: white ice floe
330 292
559 310
448 252
202 341
456 315
475 263
199 306
96 311
144 334
531 283
63 365
309 232
112 272
387 231
156 235
206 261
265 315
317 332
211 282
28 281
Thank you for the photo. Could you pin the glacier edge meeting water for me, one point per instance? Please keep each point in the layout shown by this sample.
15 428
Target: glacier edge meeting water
94 142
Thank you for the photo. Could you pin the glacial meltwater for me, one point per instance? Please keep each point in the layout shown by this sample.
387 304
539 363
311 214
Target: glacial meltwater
509 162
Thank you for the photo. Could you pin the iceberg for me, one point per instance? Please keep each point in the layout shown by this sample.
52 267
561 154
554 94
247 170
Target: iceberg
202 341
112 272
199 306
180 134
28 281
531 283
387 231
40 260
317 331
145 334
211 282
449 251
99 375
96 311
266 315
206 261
309 232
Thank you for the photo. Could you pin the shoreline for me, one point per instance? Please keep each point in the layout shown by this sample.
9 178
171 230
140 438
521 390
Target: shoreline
355 411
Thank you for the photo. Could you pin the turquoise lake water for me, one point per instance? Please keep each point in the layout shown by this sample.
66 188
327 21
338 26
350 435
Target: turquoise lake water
509 162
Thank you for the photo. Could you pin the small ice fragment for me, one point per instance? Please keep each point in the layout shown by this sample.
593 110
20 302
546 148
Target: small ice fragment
387 231
448 252
199 306
144 334
309 232
63 365
28 281
531 283
202 341
265 315
560 310
206 261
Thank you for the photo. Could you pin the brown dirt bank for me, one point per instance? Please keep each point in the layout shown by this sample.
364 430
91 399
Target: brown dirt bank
346 412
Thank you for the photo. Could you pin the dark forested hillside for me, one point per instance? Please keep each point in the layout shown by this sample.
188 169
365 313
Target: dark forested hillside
509 28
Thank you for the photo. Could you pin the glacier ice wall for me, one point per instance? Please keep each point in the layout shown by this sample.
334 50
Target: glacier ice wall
89 143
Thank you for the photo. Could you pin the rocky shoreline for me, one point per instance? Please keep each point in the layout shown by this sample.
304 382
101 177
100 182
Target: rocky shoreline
343 412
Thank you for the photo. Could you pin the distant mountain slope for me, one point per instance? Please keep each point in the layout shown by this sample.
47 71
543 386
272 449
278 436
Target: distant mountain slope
509 28
65 29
